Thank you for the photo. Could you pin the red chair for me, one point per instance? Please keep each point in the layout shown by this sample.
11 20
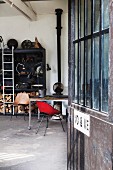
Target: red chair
47 111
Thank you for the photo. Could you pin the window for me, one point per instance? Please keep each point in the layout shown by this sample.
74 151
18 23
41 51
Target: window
87 72
95 73
96 15
104 73
88 17
91 53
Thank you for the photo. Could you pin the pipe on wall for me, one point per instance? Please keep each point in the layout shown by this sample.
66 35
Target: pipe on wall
58 27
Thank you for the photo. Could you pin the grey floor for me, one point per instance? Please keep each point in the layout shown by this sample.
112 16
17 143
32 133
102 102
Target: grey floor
22 149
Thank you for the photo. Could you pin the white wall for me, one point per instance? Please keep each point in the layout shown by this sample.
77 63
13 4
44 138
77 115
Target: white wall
44 29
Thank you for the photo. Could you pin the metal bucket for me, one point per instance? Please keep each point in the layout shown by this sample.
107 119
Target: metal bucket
41 92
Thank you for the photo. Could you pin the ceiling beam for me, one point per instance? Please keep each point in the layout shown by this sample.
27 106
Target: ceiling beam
35 0
23 9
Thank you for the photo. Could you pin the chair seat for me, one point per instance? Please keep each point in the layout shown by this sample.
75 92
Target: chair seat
47 108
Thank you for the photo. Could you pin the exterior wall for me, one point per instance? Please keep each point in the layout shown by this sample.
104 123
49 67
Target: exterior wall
45 30
98 147
94 152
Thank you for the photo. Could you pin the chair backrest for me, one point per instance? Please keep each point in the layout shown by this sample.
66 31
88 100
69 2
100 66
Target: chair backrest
22 98
47 108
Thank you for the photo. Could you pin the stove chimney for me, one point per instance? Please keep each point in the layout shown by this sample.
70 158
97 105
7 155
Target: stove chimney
58 27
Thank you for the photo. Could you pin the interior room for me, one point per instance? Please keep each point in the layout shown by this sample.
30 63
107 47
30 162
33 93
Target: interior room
15 25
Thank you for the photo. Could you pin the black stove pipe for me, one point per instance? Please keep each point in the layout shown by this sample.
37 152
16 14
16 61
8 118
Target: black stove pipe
58 14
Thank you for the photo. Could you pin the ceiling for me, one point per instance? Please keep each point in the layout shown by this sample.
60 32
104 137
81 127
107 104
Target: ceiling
39 6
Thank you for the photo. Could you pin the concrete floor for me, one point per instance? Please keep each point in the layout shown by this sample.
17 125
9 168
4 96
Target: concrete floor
22 149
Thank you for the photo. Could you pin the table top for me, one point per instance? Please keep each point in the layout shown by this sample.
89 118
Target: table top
50 97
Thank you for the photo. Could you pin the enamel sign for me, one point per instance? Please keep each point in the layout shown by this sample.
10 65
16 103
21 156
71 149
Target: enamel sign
82 122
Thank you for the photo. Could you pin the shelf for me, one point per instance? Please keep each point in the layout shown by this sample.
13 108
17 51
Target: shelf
20 90
25 90
25 75
21 50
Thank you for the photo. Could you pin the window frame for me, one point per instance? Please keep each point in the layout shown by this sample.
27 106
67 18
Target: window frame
85 38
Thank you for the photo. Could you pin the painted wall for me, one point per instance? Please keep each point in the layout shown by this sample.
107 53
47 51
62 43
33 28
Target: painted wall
45 30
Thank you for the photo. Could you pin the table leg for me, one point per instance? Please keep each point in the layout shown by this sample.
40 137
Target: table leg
29 127
38 114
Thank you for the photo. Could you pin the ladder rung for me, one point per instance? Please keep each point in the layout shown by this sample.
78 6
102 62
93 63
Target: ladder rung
7 94
8 86
7 78
7 54
8 62
7 70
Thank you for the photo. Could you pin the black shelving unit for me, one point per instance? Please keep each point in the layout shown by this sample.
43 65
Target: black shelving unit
30 68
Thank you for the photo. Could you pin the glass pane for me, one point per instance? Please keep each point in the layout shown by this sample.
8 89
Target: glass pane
96 15
104 72
76 71
88 17
82 73
105 14
88 73
79 17
95 74
82 18
76 19
79 73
